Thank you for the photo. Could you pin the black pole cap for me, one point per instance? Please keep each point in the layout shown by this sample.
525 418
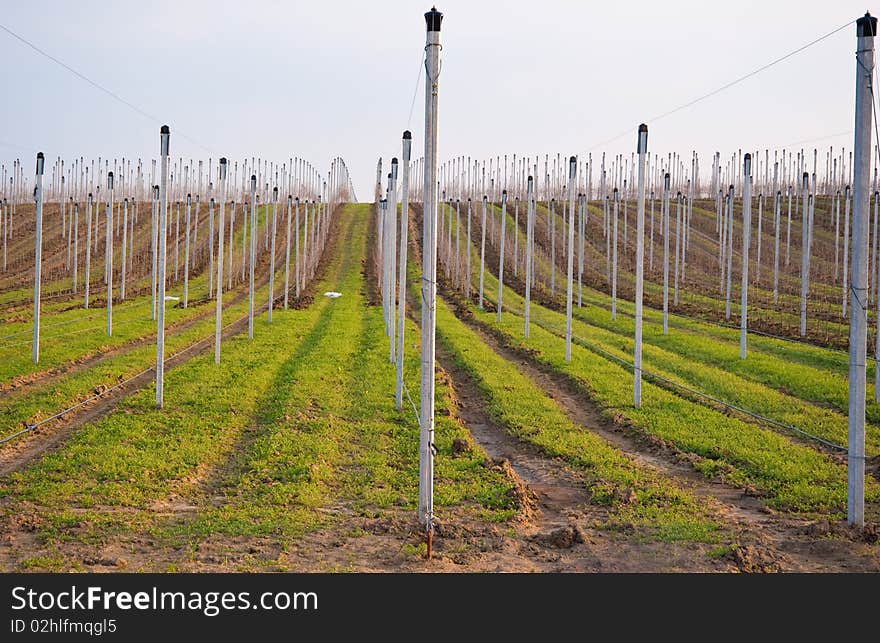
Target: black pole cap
40 164
394 161
865 26
165 130
433 19
407 135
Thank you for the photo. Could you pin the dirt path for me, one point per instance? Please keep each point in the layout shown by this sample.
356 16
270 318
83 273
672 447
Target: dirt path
794 543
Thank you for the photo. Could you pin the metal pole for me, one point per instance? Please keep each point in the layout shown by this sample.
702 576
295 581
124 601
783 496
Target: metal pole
164 150
433 19
642 150
866 29
38 255
747 225
569 293
218 318
401 297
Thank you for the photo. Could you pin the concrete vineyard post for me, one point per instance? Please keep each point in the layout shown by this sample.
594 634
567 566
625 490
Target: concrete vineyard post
253 256
38 255
433 20
747 225
186 251
777 208
272 251
164 150
287 253
297 264
530 211
846 258
109 253
503 226
88 260
729 240
392 261
401 296
154 243
666 253
642 150
569 296
614 255
218 316
482 251
211 246
805 256
866 29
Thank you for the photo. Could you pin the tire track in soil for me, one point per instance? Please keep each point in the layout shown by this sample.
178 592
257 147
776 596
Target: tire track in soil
555 533
796 544
18 454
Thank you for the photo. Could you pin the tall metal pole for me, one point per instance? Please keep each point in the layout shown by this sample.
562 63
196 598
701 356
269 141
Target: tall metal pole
641 149
569 292
38 255
866 29
164 149
401 297
747 230
433 18
218 318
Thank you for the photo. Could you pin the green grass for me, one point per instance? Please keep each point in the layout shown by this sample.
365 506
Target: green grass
788 475
298 419
661 510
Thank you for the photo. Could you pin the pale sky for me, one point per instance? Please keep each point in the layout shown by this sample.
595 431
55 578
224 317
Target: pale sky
321 79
